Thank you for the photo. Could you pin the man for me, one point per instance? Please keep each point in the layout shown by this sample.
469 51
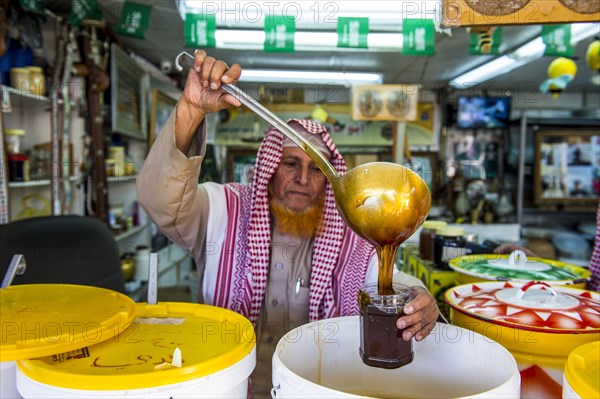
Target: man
276 250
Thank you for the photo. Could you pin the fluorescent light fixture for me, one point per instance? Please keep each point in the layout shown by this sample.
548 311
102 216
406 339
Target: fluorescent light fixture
521 56
304 41
309 77
312 15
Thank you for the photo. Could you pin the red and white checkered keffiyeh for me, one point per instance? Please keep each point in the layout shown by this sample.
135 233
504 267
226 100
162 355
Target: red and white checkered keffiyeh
594 283
339 259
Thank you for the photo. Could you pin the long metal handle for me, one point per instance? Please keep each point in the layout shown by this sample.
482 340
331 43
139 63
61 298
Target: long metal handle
17 267
185 58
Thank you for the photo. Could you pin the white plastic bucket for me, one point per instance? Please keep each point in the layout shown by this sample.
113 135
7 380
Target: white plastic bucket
321 360
217 347
228 383
8 387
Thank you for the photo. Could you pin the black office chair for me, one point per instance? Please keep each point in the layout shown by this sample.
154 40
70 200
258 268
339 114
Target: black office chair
63 249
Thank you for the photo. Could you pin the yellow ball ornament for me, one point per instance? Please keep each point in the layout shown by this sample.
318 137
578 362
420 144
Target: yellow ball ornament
561 72
562 66
592 56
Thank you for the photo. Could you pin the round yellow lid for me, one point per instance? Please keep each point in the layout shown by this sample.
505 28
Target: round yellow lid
210 339
46 319
20 70
15 132
434 224
451 231
583 368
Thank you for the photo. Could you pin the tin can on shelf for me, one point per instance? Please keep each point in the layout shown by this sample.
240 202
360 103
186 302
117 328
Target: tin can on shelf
449 244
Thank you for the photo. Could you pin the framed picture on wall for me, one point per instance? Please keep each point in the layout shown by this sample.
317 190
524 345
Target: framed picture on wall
567 168
161 106
477 155
425 164
128 111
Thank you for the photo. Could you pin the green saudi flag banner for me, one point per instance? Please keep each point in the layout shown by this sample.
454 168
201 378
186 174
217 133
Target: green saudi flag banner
36 6
279 34
557 39
135 18
419 37
353 32
199 30
80 10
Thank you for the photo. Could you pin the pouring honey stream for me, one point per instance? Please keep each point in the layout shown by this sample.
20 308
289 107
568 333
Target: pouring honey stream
382 202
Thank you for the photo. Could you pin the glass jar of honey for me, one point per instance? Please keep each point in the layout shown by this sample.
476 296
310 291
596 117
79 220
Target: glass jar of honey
381 343
427 237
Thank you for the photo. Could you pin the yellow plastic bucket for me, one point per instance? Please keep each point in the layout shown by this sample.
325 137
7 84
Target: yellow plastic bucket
45 319
217 349
582 372
540 324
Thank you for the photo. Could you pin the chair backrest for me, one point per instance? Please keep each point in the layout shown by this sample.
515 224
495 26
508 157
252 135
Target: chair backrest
63 249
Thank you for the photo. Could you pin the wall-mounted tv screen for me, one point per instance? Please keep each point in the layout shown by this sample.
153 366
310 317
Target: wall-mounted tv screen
482 112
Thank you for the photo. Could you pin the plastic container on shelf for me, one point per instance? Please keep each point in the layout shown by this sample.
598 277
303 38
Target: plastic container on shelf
117 153
12 138
19 79
18 167
37 80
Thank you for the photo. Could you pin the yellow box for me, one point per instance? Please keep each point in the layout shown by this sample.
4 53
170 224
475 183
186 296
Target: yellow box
410 256
436 280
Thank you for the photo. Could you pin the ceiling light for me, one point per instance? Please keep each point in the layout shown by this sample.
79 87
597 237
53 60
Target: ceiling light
519 57
304 41
313 15
308 77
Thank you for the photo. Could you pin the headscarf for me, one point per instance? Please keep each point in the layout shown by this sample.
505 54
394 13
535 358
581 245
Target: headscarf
594 283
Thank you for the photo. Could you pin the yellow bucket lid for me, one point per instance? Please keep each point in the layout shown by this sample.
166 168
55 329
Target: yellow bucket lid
210 339
44 319
583 368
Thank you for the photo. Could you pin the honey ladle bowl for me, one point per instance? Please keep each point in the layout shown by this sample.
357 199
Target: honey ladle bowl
383 202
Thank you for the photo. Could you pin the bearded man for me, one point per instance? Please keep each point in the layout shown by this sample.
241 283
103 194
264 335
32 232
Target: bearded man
276 250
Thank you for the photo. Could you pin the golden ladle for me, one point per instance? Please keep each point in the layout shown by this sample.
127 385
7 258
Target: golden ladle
382 202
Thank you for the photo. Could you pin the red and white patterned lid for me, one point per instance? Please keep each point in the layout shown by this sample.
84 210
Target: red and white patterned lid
534 305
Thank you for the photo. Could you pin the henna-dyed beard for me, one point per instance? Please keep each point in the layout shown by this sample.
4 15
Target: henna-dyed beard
305 223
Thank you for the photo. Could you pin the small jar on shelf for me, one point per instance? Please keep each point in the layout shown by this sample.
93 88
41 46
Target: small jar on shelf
12 139
19 79
37 81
